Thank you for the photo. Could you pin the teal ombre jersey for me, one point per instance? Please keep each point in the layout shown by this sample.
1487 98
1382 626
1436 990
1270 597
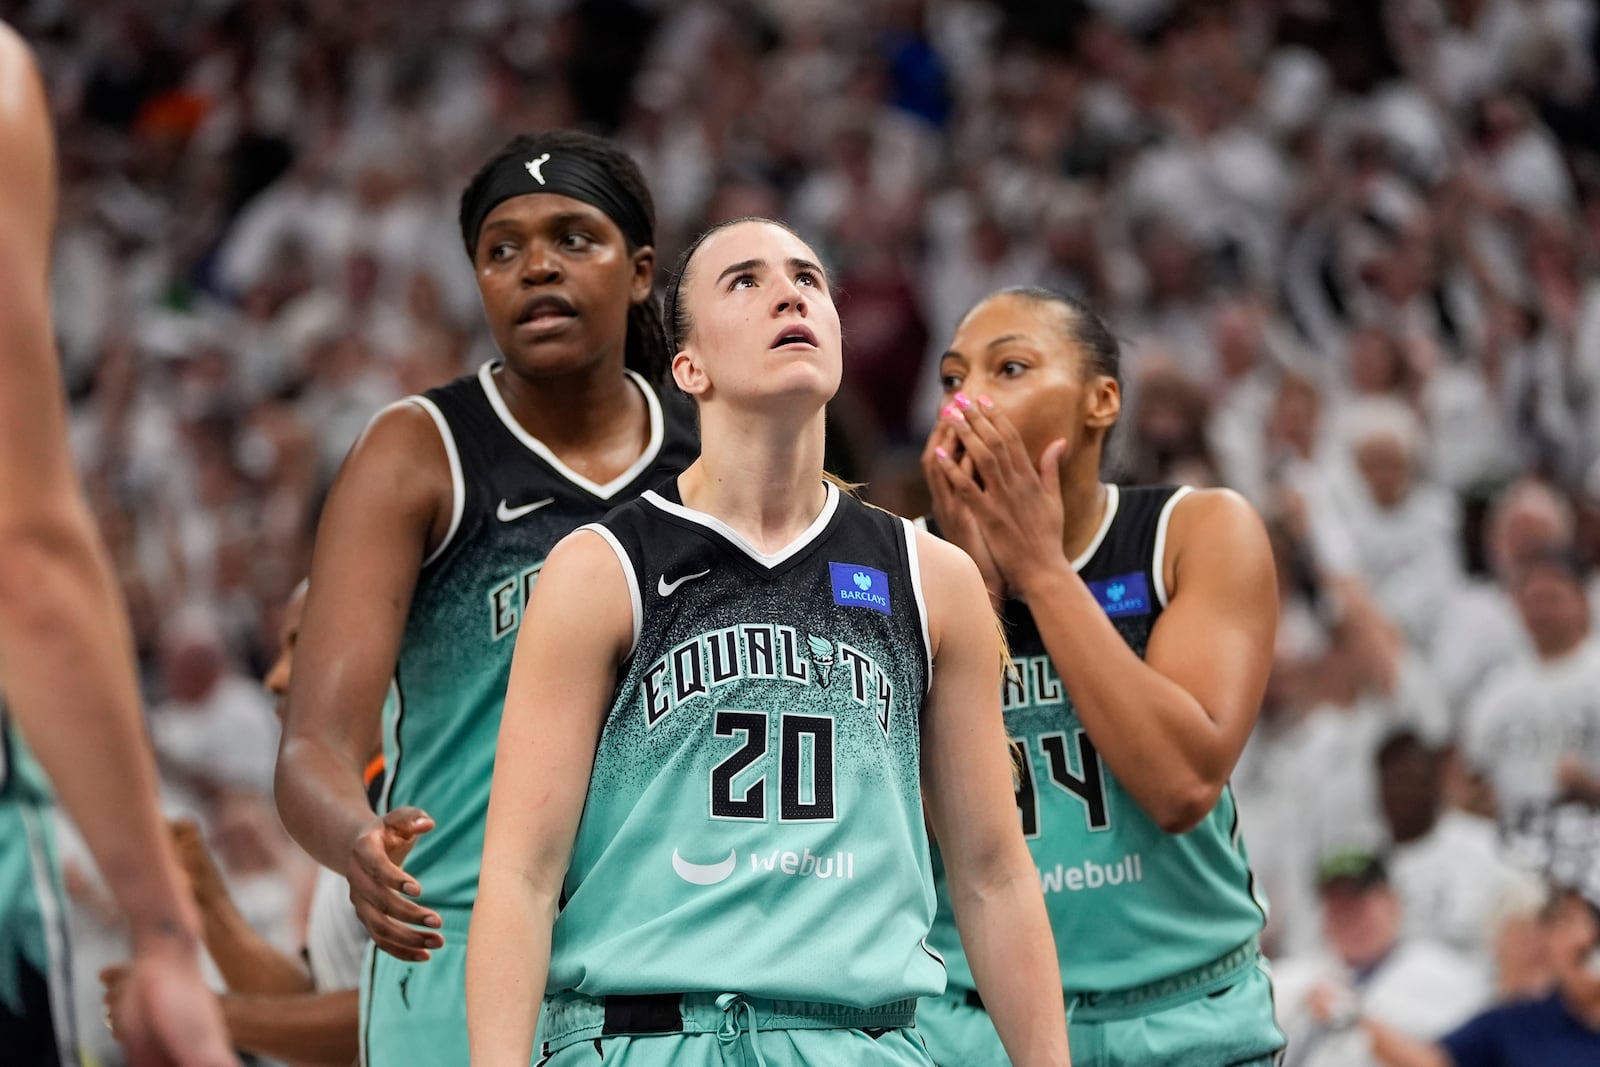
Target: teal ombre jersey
21 777
754 817
513 500
36 1019
1129 903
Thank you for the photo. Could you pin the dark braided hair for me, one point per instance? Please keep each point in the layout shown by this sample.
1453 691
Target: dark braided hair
675 315
646 351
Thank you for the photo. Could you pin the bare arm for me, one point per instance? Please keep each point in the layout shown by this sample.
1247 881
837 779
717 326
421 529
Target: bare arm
389 503
562 675
972 806
1172 726
66 653
248 962
306 1028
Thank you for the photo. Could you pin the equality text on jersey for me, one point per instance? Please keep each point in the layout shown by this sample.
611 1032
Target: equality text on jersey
696 667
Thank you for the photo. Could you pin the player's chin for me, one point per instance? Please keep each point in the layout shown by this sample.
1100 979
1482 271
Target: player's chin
554 356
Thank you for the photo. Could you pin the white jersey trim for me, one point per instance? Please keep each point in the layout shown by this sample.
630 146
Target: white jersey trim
1158 565
1113 501
766 559
391 743
458 482
634 599
910 528
540 449
62 1016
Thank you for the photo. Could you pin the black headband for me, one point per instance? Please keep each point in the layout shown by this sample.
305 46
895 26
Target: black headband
561 172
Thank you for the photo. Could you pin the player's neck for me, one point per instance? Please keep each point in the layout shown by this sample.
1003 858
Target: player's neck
1084 499
762 479
571 411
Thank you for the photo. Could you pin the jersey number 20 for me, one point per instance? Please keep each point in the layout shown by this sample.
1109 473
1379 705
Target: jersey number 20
1088 784
805 768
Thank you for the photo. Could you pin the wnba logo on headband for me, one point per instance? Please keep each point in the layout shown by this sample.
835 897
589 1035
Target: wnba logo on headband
559 173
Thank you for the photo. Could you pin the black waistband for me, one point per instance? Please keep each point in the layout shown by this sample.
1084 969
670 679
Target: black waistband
645 1013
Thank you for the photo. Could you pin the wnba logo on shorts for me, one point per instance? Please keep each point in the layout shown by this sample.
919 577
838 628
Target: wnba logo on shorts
855 586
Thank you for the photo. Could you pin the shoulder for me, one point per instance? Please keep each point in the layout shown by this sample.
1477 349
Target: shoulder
1211 515
940 561
1217 536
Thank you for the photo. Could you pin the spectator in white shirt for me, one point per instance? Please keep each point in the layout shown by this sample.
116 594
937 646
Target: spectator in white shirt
1481 632
1446 865
1373 971
1535 713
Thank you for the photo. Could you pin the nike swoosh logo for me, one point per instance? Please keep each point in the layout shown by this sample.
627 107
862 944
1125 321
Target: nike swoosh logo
704 873
666 588
509 514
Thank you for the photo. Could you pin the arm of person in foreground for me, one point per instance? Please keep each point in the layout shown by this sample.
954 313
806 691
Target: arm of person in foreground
66 652
303 1028
1172 725
562 676
385 508
972 807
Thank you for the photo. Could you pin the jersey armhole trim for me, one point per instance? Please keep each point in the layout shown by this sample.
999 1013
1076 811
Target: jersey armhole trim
458 484
1158 562
634 599
916 593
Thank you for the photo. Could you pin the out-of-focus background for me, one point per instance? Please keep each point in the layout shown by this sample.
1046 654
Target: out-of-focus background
1352 249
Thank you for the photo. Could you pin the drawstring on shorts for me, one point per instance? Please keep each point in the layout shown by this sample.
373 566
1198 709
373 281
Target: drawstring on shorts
728 1033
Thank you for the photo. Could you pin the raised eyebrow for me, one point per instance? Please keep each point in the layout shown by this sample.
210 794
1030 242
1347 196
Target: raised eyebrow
952 354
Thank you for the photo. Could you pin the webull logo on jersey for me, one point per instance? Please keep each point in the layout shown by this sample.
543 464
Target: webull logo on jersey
700 665
773 862
1079 877
855 586
1126 594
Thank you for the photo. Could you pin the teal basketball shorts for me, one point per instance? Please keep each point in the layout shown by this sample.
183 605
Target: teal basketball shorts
1215 1016
415 1013
727 1030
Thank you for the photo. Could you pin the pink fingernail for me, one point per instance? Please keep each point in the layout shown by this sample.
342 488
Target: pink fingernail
941 453
964 400
949 410
986 402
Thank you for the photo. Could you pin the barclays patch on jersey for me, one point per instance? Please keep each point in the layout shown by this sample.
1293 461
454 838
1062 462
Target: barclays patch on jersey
1126 594
855 586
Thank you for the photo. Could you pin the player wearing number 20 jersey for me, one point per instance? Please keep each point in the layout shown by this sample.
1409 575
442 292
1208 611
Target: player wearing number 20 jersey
758 769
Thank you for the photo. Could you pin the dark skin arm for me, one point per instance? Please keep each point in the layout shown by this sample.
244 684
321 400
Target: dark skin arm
248 962
1170 726
389 506
309 1029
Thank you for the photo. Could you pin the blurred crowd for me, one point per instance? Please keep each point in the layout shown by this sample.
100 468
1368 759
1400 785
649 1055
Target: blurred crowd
1352 249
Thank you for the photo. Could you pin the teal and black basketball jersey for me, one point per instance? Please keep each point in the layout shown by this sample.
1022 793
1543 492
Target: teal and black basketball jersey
513 500
1129 903
754 817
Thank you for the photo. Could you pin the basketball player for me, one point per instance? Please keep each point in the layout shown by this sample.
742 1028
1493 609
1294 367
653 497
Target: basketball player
433 536
66 670
1142 622
729 701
